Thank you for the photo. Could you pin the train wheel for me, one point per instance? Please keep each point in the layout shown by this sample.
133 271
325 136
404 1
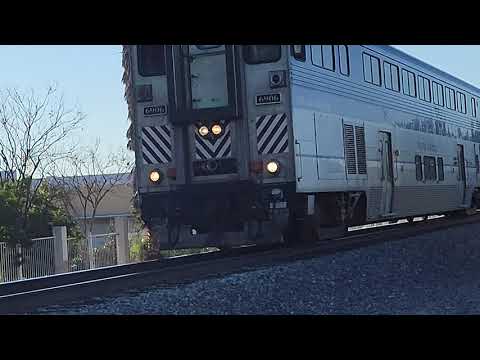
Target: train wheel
471 211
299 231
456 214
225 248
291 232
309 231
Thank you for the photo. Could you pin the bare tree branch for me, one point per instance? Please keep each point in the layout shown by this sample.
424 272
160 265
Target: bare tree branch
93 177
33 135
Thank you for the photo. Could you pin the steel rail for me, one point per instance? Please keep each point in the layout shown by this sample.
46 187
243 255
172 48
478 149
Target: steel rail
28 295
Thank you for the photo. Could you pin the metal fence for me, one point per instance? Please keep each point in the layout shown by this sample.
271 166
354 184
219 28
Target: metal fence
9 269
77 254
26 262
38 258
104 249
93 252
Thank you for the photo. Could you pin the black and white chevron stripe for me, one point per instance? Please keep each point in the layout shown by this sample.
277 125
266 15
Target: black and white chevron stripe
157 144
272 134
210 147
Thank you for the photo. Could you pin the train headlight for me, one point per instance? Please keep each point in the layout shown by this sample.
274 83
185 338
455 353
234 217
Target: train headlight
155 176
203 131
217 129
273 167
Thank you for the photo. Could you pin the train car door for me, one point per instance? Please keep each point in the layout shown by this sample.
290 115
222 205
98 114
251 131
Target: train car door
477 164
462 178
386 172
202 83
208 72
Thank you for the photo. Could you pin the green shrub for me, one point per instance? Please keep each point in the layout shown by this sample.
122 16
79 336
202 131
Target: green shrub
19 226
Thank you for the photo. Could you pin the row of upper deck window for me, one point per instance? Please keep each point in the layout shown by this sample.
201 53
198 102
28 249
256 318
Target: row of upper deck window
429 91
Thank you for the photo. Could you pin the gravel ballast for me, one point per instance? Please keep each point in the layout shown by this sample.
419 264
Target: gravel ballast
436 273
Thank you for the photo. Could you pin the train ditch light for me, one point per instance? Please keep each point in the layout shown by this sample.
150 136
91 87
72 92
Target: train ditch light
273 167
155 176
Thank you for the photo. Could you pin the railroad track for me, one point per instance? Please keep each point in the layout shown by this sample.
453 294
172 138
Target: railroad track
28 295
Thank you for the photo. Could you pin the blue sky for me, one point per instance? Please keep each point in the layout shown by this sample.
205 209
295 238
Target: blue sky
90 77
458 60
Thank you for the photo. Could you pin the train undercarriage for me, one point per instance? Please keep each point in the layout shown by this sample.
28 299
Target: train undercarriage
242 213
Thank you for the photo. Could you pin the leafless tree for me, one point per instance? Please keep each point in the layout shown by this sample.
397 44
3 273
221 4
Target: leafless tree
34 130
91 177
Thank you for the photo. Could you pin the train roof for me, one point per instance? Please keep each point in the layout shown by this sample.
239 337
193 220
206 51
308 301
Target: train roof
387 50
428 68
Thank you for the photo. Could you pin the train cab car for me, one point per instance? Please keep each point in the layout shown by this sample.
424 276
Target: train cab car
259 143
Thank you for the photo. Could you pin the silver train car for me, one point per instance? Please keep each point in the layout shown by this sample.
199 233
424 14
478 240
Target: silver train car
260 143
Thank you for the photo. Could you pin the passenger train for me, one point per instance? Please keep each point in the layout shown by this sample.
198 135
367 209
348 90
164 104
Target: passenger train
247 144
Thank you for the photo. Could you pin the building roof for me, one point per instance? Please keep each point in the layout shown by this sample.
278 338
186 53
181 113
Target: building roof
121 179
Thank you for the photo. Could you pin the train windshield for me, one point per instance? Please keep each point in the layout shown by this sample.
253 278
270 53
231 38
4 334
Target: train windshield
151 60
261 54
208 76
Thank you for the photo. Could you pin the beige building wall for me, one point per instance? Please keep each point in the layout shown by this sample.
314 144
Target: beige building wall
117 202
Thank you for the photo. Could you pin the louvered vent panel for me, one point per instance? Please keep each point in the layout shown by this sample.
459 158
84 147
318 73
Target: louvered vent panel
349 143
361 151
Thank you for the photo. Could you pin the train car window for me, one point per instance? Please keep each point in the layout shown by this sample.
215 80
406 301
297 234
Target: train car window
449 98
343 60
387 76
424 89
462 102
437 93
151 60
323 56
474 107
371 69
418 167
430 168
367 68
299 53
392 76
408 83
441 173
261 54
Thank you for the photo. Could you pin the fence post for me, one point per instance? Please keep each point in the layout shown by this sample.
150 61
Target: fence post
91 256
60 249
20 261
123 246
